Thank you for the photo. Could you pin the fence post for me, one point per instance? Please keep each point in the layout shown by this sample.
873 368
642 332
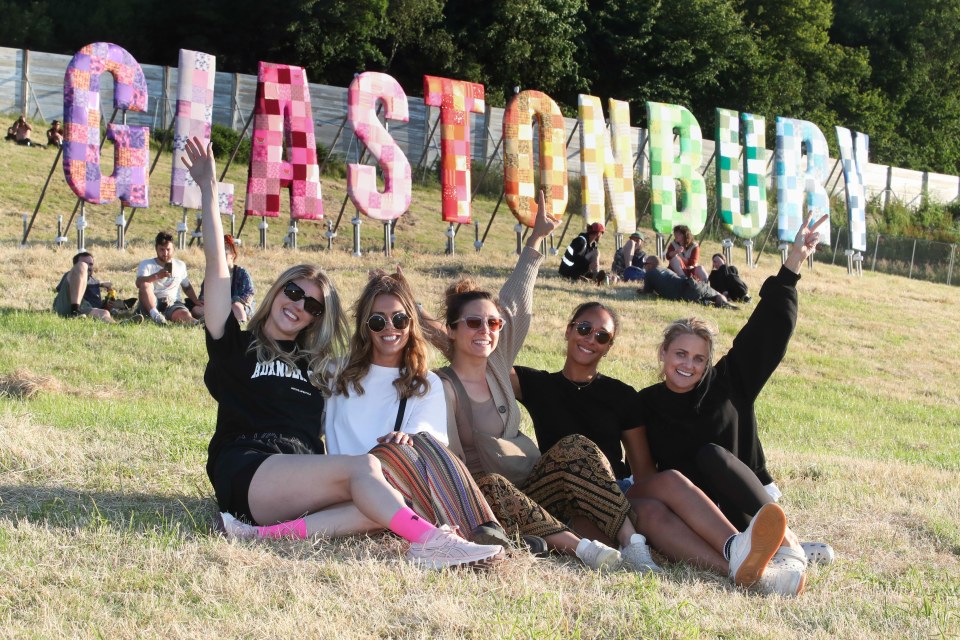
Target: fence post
873 267
953 252
25 81
912 254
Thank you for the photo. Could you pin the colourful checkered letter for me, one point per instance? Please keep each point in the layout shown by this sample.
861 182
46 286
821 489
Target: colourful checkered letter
667 167
854 156
749 224
81 124
606 168
362 98
282 113
456 99
525 109
796 139
195 82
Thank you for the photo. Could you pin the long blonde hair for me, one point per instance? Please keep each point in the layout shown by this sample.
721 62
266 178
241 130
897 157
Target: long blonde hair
321 344
412 380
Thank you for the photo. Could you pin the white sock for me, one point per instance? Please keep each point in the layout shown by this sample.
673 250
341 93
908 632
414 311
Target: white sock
636 538
582 546
156 315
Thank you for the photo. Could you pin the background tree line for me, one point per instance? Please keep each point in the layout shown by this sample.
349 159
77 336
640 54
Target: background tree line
885 67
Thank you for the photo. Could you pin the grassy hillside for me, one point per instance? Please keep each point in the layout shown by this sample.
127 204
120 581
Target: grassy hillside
105 509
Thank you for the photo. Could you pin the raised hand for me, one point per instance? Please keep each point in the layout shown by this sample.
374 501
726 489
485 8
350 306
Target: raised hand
545 223
200 162
805 243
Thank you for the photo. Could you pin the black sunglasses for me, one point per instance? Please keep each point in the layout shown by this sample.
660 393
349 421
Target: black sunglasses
377 322
475 322
584 328
311 305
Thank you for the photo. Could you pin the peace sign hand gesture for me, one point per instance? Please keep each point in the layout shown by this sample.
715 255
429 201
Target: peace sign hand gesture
805 244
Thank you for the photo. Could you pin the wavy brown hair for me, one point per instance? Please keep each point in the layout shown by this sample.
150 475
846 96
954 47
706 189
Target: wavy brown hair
415 365
685 232
321 344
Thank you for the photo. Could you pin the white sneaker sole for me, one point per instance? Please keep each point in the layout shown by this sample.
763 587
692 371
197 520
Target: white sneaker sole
766 535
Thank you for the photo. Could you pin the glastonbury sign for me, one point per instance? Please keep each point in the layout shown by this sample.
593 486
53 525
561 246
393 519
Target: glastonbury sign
284 152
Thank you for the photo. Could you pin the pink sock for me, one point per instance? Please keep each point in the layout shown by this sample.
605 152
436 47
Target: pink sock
291 529
409 526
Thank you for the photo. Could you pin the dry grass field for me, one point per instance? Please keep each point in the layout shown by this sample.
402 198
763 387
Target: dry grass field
106 512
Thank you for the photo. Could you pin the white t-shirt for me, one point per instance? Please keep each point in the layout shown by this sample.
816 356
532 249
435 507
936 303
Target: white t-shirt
353 423
166 288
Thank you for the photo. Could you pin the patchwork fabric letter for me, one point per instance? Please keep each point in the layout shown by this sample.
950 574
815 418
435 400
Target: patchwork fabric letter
668 167
729 178
196 78
606 168
81 127
854 157
282 115
362 97
796 139
525 109
457 100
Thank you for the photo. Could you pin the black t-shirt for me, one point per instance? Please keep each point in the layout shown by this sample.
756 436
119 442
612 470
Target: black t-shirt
600 411
259 397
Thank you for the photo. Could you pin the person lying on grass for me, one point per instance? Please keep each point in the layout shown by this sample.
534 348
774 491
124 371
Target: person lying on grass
269 382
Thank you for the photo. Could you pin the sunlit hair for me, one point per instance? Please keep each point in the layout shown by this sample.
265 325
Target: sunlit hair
230 245
590 306
457 296
321 344
685 233
687 327
415 365
163 237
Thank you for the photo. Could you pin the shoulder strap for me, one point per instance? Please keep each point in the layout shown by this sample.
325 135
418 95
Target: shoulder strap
403 406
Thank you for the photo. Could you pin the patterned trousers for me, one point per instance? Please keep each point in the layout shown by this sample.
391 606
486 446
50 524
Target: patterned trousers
573 478
434 482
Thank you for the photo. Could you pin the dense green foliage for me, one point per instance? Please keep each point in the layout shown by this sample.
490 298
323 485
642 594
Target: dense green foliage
884 67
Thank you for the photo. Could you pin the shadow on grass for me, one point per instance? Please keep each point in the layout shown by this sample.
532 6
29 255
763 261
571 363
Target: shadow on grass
134 512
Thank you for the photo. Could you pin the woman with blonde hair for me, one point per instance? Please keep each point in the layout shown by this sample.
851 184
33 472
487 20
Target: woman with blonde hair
269 383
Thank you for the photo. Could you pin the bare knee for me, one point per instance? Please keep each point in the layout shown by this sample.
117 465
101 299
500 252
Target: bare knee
651 514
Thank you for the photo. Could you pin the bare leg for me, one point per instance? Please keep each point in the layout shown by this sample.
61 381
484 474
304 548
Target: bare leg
182 316
289 486
688 502
676 265
148 300
77 281
564 542
673 538
340 520
700 274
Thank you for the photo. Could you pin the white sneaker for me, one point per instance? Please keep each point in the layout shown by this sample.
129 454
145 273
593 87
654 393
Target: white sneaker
597 555
818 552
157 317
444 548
786 575
233 529
751 550
636 556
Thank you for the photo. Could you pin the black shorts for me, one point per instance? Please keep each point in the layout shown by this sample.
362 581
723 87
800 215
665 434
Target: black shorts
238 461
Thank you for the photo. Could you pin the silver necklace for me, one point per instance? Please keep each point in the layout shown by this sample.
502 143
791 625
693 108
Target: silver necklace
581 385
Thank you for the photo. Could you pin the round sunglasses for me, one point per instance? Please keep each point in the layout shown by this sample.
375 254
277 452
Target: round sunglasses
311 305
584 328
377 322
494 323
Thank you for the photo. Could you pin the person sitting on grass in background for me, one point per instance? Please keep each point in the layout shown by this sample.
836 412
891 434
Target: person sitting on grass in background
683 254
701 419
628 260
159 281
581 260
78 293
670 286
21 130
726 279
241 285
270 383
55 135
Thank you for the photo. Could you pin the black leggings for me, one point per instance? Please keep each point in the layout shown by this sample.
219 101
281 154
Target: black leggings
728 482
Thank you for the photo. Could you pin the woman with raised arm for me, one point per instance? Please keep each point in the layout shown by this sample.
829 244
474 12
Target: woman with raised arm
701 419
673 514
529 493
269 382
